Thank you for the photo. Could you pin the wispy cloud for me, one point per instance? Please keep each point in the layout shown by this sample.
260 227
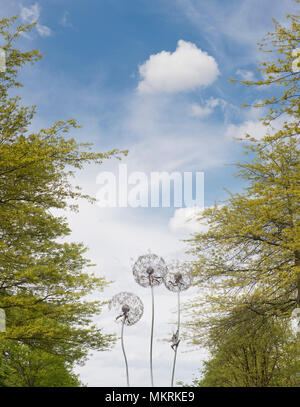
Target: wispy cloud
32 14
197 110
253 128
226 28
64 21
43 30
245 75
184 221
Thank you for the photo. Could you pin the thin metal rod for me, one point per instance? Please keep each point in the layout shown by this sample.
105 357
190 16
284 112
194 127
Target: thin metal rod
176 347
123 349
151 341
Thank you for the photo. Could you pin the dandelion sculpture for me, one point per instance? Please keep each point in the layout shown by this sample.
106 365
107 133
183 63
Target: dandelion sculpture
131 310
179 278
149 271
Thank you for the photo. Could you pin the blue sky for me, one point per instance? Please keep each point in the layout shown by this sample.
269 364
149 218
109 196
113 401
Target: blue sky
151 77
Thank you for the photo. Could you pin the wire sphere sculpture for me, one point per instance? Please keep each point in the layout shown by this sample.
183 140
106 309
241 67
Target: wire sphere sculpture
179 278
149 270
129 306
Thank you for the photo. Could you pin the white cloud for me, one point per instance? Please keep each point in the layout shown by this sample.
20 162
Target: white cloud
163 137
187 68
32 14
253 128
43 30
245 75
185 220
201 111
251 125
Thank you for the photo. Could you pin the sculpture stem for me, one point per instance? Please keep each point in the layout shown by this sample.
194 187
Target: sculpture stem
176 347
123 349
151 341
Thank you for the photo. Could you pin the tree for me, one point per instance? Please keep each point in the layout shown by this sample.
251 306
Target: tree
248 263
252 245
260 354
43 280
22 366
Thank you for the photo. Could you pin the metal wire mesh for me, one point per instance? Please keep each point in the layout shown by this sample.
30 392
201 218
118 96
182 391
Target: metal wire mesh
129 306
149 270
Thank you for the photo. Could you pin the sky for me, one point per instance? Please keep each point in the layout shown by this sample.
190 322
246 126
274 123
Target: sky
150 77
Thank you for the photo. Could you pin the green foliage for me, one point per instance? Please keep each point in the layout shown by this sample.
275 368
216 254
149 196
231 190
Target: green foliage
21 366
248 263
258 352
266 357
44 282
252 246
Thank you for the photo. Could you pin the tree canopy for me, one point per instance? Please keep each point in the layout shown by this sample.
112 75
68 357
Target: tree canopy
44 281
248 262
258 354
